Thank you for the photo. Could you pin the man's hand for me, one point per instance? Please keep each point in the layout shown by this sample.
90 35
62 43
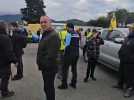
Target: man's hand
14 64
13 69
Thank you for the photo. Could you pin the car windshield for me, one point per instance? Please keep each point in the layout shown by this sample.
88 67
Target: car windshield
104 34
117 33
125 31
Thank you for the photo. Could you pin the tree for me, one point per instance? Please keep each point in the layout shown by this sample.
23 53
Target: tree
130 18
34 9
121 16
102 22
92 23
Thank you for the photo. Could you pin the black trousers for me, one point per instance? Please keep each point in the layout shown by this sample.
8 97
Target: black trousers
5 76
91 67
129 75
84 49
19 66
73 62
49 89
60 62
122 74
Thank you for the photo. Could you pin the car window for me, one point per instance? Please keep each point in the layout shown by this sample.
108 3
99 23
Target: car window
104 34
115 34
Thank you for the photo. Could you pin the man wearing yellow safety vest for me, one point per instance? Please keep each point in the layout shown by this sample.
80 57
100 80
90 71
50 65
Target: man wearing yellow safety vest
62 35
71 56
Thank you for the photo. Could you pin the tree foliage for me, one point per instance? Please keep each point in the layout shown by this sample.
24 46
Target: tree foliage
121 15
102 21
34 9
130 18
123 18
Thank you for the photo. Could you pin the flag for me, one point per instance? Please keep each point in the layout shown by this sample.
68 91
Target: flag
113 23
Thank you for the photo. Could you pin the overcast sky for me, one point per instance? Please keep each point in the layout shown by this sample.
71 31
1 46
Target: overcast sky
69 9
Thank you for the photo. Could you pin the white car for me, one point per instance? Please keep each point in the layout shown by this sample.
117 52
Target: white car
112 43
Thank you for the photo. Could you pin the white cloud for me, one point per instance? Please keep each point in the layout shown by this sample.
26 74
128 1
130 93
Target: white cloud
11 6
81 4
51 3
111 1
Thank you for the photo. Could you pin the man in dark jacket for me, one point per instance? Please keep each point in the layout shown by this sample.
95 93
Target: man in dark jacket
47 55
71 56
126 70
6 58
19 40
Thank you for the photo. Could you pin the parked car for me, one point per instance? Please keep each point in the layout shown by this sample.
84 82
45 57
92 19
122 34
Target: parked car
112 43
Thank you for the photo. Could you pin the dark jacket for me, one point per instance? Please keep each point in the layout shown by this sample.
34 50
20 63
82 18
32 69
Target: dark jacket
48 50
73 49
93 47
19 42
6 52
126 52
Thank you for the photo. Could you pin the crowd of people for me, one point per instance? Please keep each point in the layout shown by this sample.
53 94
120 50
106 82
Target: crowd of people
56 53
12 41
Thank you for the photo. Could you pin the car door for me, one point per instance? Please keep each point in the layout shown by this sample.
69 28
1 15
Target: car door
114 48
104 48
109 51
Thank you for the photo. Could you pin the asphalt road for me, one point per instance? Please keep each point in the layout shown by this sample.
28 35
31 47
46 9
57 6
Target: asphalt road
31 86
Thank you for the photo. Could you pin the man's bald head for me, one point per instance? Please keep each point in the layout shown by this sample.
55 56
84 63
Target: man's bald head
45 22
45 18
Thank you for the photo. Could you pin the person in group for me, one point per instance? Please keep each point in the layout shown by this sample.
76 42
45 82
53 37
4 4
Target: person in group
23 31
39 34
71 56
19 41
79 31
47 56
87 35
6 58
126 70
62 35
93 44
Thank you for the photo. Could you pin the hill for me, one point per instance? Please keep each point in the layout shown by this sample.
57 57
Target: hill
74 21
17 17
10 18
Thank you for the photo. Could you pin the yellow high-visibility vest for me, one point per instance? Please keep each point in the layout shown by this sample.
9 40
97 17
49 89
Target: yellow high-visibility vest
62 36
89 34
